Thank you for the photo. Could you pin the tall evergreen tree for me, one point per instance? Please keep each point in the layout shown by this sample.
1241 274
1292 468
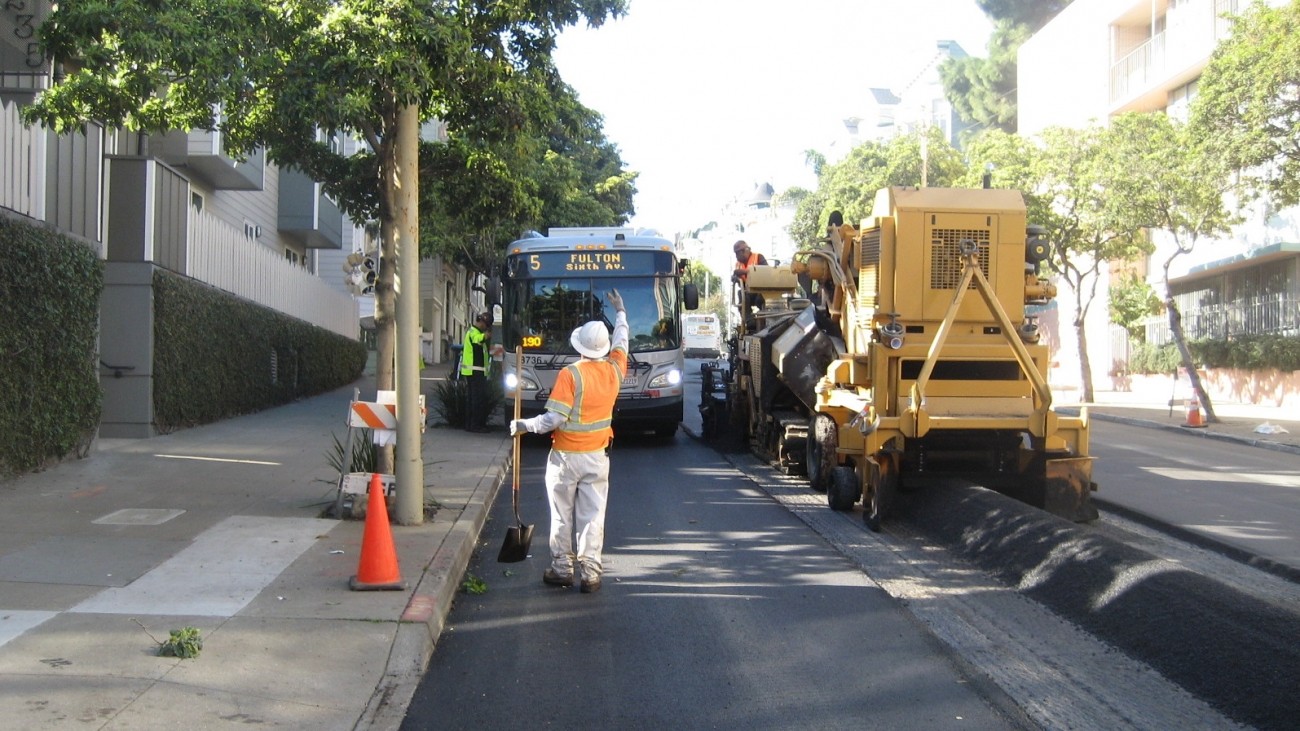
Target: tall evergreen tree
983 90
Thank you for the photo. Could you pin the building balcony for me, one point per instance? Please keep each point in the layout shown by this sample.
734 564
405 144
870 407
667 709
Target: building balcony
200 153
307 214
1149 65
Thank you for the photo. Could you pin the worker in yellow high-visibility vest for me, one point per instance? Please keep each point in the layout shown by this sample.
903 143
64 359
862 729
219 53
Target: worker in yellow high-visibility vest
473 368
579 414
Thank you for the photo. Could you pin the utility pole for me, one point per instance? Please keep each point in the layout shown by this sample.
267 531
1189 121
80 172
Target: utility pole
409 461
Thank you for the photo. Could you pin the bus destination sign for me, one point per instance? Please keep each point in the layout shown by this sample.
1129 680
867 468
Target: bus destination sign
582 263
594 261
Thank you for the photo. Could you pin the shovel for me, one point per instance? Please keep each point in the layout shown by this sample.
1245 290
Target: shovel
515 549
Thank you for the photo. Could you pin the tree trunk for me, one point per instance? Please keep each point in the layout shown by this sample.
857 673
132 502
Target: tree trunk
1180 340
409 461
1085 365
385 292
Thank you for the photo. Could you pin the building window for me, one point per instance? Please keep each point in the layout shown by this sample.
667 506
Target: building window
196 201
292 256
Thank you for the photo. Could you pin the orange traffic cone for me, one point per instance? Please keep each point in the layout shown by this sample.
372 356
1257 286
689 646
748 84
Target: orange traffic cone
1194 419
377 570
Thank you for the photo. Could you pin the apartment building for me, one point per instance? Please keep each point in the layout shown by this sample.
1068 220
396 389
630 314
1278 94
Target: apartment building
1101 58
179 202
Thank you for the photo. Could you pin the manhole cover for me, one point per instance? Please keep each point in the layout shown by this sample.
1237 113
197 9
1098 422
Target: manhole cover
138 516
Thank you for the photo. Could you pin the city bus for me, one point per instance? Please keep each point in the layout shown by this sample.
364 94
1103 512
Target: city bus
551 285
701 335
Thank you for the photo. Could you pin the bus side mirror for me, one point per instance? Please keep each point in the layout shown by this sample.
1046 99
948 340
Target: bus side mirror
691 296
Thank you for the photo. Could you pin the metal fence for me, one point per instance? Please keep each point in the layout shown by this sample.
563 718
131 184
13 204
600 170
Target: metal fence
1270 314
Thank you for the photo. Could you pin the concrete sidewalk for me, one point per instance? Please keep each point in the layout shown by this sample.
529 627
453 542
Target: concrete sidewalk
220 528
1258 425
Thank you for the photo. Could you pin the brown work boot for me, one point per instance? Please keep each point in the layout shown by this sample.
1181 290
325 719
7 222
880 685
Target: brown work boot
551 578
590 586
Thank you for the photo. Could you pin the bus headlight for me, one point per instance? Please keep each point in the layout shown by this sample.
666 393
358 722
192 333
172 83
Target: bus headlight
666 380
512 380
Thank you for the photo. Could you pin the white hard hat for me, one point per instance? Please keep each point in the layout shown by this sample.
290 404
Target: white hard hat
591 340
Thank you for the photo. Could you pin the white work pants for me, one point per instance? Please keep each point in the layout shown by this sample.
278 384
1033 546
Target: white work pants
577 484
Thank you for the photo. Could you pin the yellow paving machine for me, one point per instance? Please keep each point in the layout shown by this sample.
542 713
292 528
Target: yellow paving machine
905 346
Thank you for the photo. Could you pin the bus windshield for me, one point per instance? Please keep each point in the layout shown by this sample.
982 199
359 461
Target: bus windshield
547 310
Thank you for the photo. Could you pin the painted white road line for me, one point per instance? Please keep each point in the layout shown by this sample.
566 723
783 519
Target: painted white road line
15 622
219 573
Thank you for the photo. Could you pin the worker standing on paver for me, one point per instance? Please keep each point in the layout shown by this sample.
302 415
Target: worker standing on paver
580 412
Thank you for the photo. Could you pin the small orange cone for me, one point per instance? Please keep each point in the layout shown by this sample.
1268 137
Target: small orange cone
1194 419
377 570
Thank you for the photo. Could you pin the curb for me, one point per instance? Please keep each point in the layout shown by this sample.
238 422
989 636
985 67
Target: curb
1203 433
422 622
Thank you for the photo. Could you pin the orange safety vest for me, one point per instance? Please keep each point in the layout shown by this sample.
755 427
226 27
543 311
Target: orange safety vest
743 266
584 395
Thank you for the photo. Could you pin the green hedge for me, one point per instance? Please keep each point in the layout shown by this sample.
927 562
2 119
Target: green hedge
217 356
1250 352
50 399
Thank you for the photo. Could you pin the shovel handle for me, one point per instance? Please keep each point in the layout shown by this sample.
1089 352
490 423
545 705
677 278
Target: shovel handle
519 380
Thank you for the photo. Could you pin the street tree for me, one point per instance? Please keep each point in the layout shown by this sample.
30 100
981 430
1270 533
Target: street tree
289 75
1007 160
479 194
1132 301
1064 176
1248 100
983 90
1033 14
1177 187
922 157
1087 226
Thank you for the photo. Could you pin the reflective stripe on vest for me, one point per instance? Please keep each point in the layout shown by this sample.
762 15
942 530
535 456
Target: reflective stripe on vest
595 389
575 422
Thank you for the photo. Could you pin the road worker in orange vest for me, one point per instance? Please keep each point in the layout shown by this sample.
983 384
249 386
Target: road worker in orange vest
578 416
746 258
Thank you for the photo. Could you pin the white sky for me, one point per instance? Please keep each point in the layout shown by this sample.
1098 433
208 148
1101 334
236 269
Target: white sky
707 98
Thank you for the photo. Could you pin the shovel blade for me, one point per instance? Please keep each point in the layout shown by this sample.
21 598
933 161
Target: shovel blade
515 548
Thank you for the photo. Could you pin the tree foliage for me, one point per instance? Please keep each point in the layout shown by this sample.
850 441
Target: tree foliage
479 195
1132 301
1248 99
1177 186
1033 14
1065 175
850 185
983 90
287 75
294 75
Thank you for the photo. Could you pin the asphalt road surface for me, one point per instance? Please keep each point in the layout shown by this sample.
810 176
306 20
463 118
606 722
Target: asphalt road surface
1230 493
720 610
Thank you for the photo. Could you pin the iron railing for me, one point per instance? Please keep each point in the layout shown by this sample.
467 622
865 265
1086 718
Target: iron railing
1269 314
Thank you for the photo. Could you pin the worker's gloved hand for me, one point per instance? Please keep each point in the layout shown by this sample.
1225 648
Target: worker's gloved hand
518 426
735 276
